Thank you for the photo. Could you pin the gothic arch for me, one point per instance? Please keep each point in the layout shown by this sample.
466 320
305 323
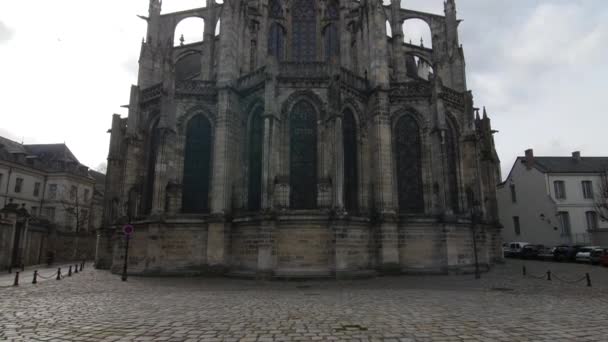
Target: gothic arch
406 110
352 157
303 155
191 112
452 160
254 155
198 162
309 95
408 154
189 28
152 146
304 38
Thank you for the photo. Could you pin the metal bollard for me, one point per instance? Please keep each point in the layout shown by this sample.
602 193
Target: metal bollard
80 267
548 275
59 273
75 268
70 271
16 283
35 281
524 270
588 279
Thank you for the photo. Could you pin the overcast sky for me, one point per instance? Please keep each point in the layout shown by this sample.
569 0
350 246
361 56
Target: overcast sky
540 67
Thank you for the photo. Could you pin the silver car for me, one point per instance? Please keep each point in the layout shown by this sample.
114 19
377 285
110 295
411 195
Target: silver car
584 254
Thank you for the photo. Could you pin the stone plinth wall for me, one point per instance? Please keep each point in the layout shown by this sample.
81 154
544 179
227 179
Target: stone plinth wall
304 246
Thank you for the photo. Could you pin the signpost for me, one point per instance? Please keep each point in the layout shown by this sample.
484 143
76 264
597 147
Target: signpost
127 229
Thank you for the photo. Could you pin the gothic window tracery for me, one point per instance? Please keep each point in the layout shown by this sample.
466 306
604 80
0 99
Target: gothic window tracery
304 39
349 136
256 137
276 41
331 42
332 11
408 150
197 166
451 149
303 156
275 9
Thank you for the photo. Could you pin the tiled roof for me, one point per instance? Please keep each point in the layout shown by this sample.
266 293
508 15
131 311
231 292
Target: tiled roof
569 164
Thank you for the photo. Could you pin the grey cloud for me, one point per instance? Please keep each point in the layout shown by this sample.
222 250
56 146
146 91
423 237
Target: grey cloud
6 33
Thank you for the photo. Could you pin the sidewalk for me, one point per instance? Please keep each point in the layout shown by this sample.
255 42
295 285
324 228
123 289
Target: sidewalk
45 273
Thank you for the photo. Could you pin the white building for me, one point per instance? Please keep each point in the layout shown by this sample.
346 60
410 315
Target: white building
551 200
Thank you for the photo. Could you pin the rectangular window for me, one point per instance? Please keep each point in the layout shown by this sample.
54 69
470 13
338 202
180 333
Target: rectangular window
86 195
73 192
560 189
49 213
513 194
18 185
516 225
34 211
587 189
52 191
36 189
564 221
591 220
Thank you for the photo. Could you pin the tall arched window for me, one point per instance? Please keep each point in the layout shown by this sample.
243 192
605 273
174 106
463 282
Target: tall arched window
408 150
304 40
451 150
153 145
197 166
331 42
275 9
256 138
349 135
276 41
303 156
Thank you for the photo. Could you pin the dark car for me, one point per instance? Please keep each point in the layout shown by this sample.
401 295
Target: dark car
531 251
566 252
597 254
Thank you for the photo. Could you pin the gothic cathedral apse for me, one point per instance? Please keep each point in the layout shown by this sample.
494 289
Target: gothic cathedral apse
301 138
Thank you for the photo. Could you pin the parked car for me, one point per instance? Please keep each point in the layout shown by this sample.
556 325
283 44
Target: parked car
566 252
584 254
546 253
515 249
505 249
531 251
597 254
604 260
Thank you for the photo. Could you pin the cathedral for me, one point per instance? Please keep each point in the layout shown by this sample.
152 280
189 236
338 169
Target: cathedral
301 138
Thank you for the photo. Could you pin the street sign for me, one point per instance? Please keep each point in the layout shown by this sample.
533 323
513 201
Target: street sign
128 229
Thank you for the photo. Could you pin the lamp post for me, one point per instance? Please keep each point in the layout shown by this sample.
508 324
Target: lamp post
475 213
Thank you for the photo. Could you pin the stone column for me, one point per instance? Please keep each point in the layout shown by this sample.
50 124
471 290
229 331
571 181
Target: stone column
338 163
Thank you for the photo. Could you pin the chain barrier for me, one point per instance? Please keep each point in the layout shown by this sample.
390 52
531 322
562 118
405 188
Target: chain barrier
549 276
57 275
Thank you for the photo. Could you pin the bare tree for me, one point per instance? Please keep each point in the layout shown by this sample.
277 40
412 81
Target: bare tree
77 211
601 199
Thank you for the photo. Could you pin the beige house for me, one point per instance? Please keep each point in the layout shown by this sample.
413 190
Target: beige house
58 194
551 200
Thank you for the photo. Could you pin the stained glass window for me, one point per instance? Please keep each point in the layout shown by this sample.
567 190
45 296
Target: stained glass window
153 144
408 151
349 135
256 138
452 167
331 42
332 10
197 166
303 156
304 40
276 41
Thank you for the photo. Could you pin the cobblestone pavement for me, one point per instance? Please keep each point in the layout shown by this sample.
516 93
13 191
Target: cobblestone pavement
502 306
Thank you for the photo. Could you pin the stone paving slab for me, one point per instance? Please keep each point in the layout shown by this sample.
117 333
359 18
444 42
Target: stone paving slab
502 306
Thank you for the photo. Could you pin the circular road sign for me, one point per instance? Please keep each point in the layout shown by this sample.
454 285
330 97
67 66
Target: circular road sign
128 229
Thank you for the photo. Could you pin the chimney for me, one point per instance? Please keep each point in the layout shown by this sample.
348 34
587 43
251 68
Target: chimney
529 158
576 155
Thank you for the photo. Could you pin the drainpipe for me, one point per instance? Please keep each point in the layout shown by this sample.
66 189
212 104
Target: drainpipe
8 182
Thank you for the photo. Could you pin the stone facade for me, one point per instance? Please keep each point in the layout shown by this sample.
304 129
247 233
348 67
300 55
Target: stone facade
301 140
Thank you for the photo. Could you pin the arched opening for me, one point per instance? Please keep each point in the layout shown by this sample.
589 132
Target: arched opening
331 42
172 6
197 166
417 32
417 67
303 156
389 30
304 39
408 151
153 146
188 66
189 31
333 10
351 179
256 139
218 27
451 150
276 41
